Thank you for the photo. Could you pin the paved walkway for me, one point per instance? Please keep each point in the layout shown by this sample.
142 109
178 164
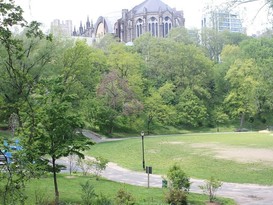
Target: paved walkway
243 194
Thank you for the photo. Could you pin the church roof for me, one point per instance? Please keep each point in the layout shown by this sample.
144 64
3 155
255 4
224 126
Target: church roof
151 6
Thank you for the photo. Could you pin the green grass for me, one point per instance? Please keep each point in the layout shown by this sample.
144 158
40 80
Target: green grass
5 135
161 152
70 191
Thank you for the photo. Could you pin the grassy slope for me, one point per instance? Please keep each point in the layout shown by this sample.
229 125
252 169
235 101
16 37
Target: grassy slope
70 191
197 163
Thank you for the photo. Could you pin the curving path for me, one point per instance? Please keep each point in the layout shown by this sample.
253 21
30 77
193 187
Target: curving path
243 194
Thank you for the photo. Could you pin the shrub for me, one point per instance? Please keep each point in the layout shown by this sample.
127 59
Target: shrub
210 187
176 197
103 200
100 165
85 165
124 198
178 179
88 193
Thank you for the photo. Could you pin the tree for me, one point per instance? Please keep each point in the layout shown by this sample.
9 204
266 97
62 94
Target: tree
125 63
155 110
57 127
268 3
212 40
242 96
19 74
116 96
260 50
219 116
185 36
23 56
191 110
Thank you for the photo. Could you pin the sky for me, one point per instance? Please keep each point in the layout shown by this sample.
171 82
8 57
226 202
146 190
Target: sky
46 11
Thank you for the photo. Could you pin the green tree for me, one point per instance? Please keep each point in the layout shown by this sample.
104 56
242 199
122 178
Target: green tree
123 61
212 40
87 66
155 110
116 97
260 50
20 63
241 100
191 110
184 35
57 127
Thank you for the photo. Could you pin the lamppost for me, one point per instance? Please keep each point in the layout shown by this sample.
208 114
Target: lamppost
143 160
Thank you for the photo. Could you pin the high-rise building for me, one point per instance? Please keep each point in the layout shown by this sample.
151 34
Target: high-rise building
61 27
223 21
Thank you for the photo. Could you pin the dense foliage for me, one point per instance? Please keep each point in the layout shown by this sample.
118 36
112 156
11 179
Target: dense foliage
175 81
55 87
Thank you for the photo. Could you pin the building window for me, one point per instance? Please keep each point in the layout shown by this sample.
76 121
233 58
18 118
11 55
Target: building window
153 26
167 26
139 27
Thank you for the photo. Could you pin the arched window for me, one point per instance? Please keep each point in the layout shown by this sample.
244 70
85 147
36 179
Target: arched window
153 26
167 26
139 27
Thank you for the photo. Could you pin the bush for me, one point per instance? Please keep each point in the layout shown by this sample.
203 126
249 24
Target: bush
100 165
176 197
124 198
88 194
178 179
103 200
210 188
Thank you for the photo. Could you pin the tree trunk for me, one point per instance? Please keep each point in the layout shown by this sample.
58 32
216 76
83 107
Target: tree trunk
242 120
148 125
55 181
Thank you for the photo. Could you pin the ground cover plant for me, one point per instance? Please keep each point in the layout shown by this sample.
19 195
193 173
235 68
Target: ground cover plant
229 157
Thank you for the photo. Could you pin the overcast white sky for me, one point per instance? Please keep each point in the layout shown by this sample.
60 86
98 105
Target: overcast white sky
46 11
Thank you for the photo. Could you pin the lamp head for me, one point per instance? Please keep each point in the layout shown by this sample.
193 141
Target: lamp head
142 133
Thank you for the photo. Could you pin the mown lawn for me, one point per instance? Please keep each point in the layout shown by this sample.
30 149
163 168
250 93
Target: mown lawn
198 161
70 191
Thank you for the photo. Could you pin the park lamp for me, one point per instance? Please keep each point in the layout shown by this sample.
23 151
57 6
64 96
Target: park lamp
142 133
143 160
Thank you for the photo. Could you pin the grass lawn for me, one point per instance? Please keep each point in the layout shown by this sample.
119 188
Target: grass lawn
5 135
230 157
70 191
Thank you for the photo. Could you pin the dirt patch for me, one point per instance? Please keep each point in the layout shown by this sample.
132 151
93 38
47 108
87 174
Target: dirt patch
70 177
239 154
173 143
152 151
246 154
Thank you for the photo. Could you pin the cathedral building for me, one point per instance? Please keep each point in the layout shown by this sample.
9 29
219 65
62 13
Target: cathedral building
102 26
153 16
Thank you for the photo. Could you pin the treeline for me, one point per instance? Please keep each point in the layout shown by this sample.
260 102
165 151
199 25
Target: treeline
187 80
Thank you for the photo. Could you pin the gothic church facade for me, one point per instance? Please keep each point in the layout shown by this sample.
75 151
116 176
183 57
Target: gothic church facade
151 16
